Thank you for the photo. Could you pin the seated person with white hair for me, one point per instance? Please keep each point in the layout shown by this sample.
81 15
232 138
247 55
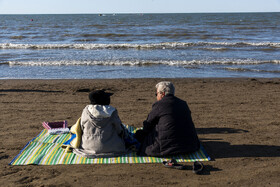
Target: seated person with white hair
168 129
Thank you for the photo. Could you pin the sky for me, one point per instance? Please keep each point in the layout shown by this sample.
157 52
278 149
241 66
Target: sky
135 6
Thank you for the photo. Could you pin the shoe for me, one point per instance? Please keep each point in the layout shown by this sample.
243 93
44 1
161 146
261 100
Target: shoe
173 164
197 167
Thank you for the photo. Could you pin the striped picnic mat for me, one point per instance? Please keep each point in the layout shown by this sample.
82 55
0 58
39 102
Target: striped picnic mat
45 149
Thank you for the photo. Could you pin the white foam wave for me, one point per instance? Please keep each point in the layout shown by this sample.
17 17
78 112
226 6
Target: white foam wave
167 45
251 70
135 62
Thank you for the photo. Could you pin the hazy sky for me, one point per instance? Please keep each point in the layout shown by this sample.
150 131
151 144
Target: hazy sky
135 6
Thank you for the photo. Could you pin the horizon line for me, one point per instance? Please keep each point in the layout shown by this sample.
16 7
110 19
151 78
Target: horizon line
140 13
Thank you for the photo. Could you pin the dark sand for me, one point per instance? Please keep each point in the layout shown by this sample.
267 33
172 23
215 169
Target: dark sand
238 122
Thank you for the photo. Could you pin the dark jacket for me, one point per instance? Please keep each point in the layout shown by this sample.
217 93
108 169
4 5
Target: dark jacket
169 129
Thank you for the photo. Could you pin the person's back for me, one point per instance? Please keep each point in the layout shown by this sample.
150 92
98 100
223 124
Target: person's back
176 132
168 129
101 131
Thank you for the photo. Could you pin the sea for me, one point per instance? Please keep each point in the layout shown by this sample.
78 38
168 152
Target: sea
111 46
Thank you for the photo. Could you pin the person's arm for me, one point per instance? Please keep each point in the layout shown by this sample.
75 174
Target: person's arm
117 123
152 119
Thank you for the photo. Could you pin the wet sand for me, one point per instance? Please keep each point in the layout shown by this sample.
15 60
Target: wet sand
237 121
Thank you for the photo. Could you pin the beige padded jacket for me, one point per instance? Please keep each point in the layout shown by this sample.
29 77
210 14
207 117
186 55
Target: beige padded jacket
101 132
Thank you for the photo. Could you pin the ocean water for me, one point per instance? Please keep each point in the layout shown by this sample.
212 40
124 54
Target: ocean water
139 46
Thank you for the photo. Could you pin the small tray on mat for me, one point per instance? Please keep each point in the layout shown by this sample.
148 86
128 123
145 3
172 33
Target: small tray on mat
58 127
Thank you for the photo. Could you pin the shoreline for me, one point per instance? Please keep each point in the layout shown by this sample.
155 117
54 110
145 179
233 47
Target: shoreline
159 78
237 120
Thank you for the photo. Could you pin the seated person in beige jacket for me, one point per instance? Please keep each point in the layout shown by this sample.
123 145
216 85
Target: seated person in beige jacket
102 131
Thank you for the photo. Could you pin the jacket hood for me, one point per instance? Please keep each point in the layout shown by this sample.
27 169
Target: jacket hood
101 111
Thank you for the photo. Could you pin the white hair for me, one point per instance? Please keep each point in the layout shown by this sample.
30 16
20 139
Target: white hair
166 87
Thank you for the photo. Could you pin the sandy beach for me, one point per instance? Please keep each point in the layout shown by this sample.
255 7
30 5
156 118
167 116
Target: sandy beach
237 121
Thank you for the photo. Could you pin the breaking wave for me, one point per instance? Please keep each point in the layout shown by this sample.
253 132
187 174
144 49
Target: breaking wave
252 70
133 62
167 45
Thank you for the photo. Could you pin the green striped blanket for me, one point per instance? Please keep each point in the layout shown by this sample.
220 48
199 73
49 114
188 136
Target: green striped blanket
45 149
